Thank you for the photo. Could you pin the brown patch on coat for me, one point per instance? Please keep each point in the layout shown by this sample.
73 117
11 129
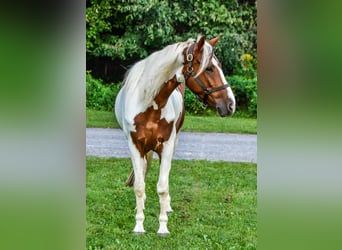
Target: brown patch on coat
181 89
151 131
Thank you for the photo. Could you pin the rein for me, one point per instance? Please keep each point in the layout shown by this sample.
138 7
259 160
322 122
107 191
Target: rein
190 73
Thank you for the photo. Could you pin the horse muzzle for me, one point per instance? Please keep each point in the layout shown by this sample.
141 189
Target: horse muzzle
224 109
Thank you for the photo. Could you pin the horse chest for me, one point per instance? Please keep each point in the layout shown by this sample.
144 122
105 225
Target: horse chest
154 126
151 131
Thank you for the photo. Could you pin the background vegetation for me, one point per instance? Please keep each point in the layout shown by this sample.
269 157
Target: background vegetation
120 33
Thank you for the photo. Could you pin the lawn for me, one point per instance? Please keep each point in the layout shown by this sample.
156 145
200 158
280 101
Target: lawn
214 206
105 119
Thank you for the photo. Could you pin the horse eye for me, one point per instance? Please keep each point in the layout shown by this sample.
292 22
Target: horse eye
210 69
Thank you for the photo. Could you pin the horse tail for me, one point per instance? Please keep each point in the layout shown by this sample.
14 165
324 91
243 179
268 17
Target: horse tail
130 180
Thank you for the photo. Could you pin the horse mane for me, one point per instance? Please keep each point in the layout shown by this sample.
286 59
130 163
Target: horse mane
148 75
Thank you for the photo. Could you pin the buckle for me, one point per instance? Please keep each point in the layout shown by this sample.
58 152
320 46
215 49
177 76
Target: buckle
189 57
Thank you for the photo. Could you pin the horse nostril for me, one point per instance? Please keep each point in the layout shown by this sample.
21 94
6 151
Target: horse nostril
218 109
231 107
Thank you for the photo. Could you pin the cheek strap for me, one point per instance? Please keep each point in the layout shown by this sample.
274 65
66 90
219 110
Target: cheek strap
190 73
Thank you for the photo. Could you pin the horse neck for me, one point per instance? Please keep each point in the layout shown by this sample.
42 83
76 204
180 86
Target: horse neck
149 76
165 92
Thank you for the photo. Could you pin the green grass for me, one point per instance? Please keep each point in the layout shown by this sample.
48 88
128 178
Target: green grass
105 119
219 124
214 206
101 119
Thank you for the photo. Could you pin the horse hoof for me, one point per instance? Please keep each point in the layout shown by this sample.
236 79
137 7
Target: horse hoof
163 231
138 233
138 230
164 234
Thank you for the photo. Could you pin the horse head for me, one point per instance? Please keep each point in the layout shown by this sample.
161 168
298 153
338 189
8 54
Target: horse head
204 76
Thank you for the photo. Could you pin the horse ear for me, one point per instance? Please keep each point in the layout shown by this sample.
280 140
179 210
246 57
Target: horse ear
213 41
200 43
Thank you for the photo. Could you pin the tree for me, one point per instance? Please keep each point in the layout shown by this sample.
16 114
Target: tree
125 31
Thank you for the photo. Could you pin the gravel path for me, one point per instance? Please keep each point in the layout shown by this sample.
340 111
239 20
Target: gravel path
205 146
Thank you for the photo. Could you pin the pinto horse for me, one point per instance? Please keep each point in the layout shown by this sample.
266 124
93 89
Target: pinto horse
150 110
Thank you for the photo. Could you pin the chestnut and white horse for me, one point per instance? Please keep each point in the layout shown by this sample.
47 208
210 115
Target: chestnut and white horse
150 111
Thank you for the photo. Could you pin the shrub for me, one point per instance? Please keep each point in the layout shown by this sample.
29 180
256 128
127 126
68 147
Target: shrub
192 104
141 27
100 96
245 91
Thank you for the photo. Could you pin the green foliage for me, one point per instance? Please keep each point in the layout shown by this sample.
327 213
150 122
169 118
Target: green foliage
214 206
98 15
192 104
133 29
100 96
236 22
245 91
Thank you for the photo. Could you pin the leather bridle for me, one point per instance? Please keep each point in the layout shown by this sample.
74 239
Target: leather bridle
190 73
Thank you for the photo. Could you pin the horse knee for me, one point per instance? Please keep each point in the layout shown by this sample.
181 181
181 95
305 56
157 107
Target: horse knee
139 190
163 190
139 193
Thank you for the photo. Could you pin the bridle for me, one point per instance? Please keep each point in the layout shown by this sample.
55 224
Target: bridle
190 73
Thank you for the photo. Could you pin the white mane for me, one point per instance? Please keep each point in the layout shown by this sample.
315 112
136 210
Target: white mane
148 75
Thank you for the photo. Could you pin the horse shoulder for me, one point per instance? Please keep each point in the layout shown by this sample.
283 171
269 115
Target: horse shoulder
173 107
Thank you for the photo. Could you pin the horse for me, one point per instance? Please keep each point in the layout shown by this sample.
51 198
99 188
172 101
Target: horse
150 110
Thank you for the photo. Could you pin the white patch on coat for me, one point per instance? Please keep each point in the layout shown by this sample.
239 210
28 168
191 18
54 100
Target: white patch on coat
173 107
155 105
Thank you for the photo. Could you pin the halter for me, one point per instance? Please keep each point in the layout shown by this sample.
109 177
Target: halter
190 72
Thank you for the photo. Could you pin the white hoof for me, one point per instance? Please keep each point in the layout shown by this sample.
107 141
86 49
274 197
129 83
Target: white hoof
139 229
164 234
163 231
138 233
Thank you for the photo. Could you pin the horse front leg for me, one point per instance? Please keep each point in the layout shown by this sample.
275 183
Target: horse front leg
139 187
163 186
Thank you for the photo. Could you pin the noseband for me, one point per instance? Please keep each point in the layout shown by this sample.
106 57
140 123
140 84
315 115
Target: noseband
190 73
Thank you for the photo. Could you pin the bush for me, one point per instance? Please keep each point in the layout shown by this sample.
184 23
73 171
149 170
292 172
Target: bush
141 27
192 104
100 96
245 91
